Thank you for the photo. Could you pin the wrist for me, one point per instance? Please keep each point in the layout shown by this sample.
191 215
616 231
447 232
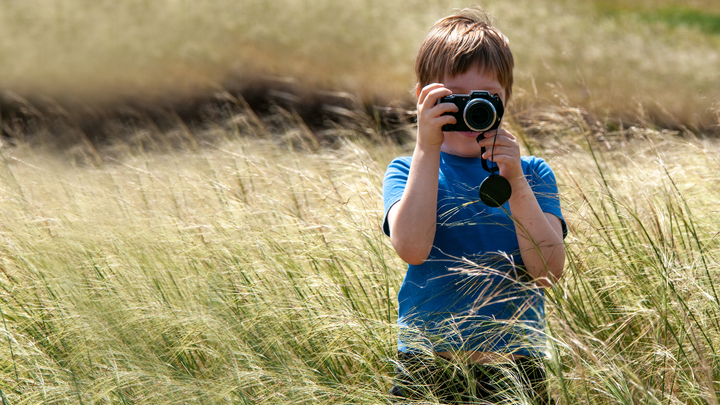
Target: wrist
429 137
428 147
520 189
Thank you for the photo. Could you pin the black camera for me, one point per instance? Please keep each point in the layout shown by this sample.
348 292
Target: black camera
477 112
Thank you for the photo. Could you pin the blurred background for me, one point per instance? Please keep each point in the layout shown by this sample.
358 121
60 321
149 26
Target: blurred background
641 61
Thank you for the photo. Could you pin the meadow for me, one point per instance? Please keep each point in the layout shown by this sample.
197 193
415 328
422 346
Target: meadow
241 261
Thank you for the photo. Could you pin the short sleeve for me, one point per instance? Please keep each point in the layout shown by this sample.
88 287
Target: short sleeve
543 183
394 183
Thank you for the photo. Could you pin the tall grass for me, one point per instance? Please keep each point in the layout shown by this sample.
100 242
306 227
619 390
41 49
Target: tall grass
251 271
240 274
636 318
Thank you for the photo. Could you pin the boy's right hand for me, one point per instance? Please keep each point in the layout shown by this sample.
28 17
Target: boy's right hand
430 115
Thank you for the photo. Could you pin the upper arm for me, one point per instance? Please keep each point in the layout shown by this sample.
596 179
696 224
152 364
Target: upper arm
556 223
394 183
390 218
544 186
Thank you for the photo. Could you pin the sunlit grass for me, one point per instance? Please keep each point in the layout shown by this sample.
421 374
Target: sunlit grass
637 316
242 273
245 271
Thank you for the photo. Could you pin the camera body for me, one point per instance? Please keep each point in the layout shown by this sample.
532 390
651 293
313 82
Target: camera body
477 112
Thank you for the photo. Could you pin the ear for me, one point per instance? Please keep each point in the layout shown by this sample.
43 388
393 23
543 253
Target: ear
418 89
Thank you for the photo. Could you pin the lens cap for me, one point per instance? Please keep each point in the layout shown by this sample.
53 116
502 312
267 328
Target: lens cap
495 190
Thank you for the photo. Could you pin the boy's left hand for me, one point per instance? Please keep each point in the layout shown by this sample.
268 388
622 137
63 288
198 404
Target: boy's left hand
506 153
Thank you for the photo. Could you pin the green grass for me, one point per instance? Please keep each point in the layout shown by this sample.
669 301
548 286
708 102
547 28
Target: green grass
684 16
704 17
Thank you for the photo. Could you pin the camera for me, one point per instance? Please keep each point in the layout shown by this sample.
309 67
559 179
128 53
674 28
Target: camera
477 112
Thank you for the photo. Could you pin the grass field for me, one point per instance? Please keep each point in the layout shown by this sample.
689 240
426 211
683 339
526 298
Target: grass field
247 272
241 261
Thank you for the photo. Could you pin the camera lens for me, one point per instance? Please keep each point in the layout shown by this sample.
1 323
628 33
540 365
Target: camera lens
479 115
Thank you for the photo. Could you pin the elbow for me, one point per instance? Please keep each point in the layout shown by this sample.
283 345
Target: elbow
550 279
553 273
557 270
413 256
411 253
414 260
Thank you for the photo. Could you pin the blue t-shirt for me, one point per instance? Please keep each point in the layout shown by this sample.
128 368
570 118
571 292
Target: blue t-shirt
472 293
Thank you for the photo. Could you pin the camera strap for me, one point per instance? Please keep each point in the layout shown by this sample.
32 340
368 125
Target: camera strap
495 190
491 170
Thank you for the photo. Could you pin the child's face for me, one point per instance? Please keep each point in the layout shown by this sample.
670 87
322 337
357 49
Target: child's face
464 143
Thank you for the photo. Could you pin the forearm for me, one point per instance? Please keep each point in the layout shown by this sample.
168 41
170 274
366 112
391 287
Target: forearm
539 236
413 219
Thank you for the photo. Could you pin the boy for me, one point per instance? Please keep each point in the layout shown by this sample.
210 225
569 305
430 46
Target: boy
471 307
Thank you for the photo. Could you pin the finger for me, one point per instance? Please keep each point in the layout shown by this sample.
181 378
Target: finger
504 133
500 132
500 139
503 146
493 140
499 153
443 108
445 120
434 95
426 90
505 161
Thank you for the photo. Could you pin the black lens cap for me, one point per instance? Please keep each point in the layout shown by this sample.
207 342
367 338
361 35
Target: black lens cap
495 190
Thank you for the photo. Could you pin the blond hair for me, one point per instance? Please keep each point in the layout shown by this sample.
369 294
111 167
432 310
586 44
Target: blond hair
462 41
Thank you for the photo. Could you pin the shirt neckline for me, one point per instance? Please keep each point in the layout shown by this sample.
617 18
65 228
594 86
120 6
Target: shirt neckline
459 160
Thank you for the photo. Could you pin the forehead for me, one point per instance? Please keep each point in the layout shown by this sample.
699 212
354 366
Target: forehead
474 79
